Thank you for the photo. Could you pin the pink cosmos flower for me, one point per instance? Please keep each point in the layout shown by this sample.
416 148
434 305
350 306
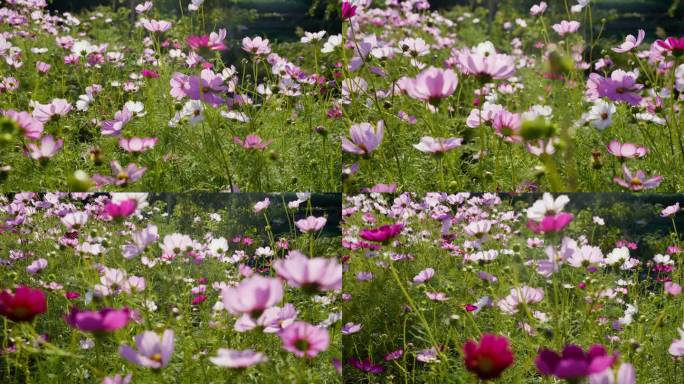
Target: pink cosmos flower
573 363
670 210
122 209
117 379
179 84
156 25
622 86
630 42
524 294
252 142
315 274
637 181
432 84
311 224
677 347
437 146
507 126
673 45
261 205
673 289
122 176
364 138
304 339
43 67
31 127
153 352
538 9
104 320
37 266
208 87
485 65
256 45
114 127
45 112
144 7
565 27
48 147
252 296
625 375
137 144
232 358
626 150
424 275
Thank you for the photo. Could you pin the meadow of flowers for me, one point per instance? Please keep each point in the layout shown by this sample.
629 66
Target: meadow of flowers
117 289
536 100
142 100
456 288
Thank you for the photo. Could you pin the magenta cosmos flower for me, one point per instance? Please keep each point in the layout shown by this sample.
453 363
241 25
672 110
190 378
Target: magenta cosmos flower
315 274
153 351
252 296
638 180
304 339
551 223
207 87
364 138
348 10
47 148
381 234
122 209
573 363
366 365
437 146
311 224
626 150
104 320
22 305
488 358
620 86
232 358
213 41
673 45
432 84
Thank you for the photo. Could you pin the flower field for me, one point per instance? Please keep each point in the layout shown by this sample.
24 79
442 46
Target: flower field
452 288
143 101
524 100
119 289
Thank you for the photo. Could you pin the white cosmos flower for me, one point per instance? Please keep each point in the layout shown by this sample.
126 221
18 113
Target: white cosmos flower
600 115
547 205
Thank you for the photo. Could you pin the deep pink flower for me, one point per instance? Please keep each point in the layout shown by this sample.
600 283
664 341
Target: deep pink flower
673 45
72 295
315 274
348 10
122 209
304 339
637 181
573 363
489 358
153 352
252 142
104 320
149 73
626 150
366 365
432 84
381 234
22 305
213 42
551 223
